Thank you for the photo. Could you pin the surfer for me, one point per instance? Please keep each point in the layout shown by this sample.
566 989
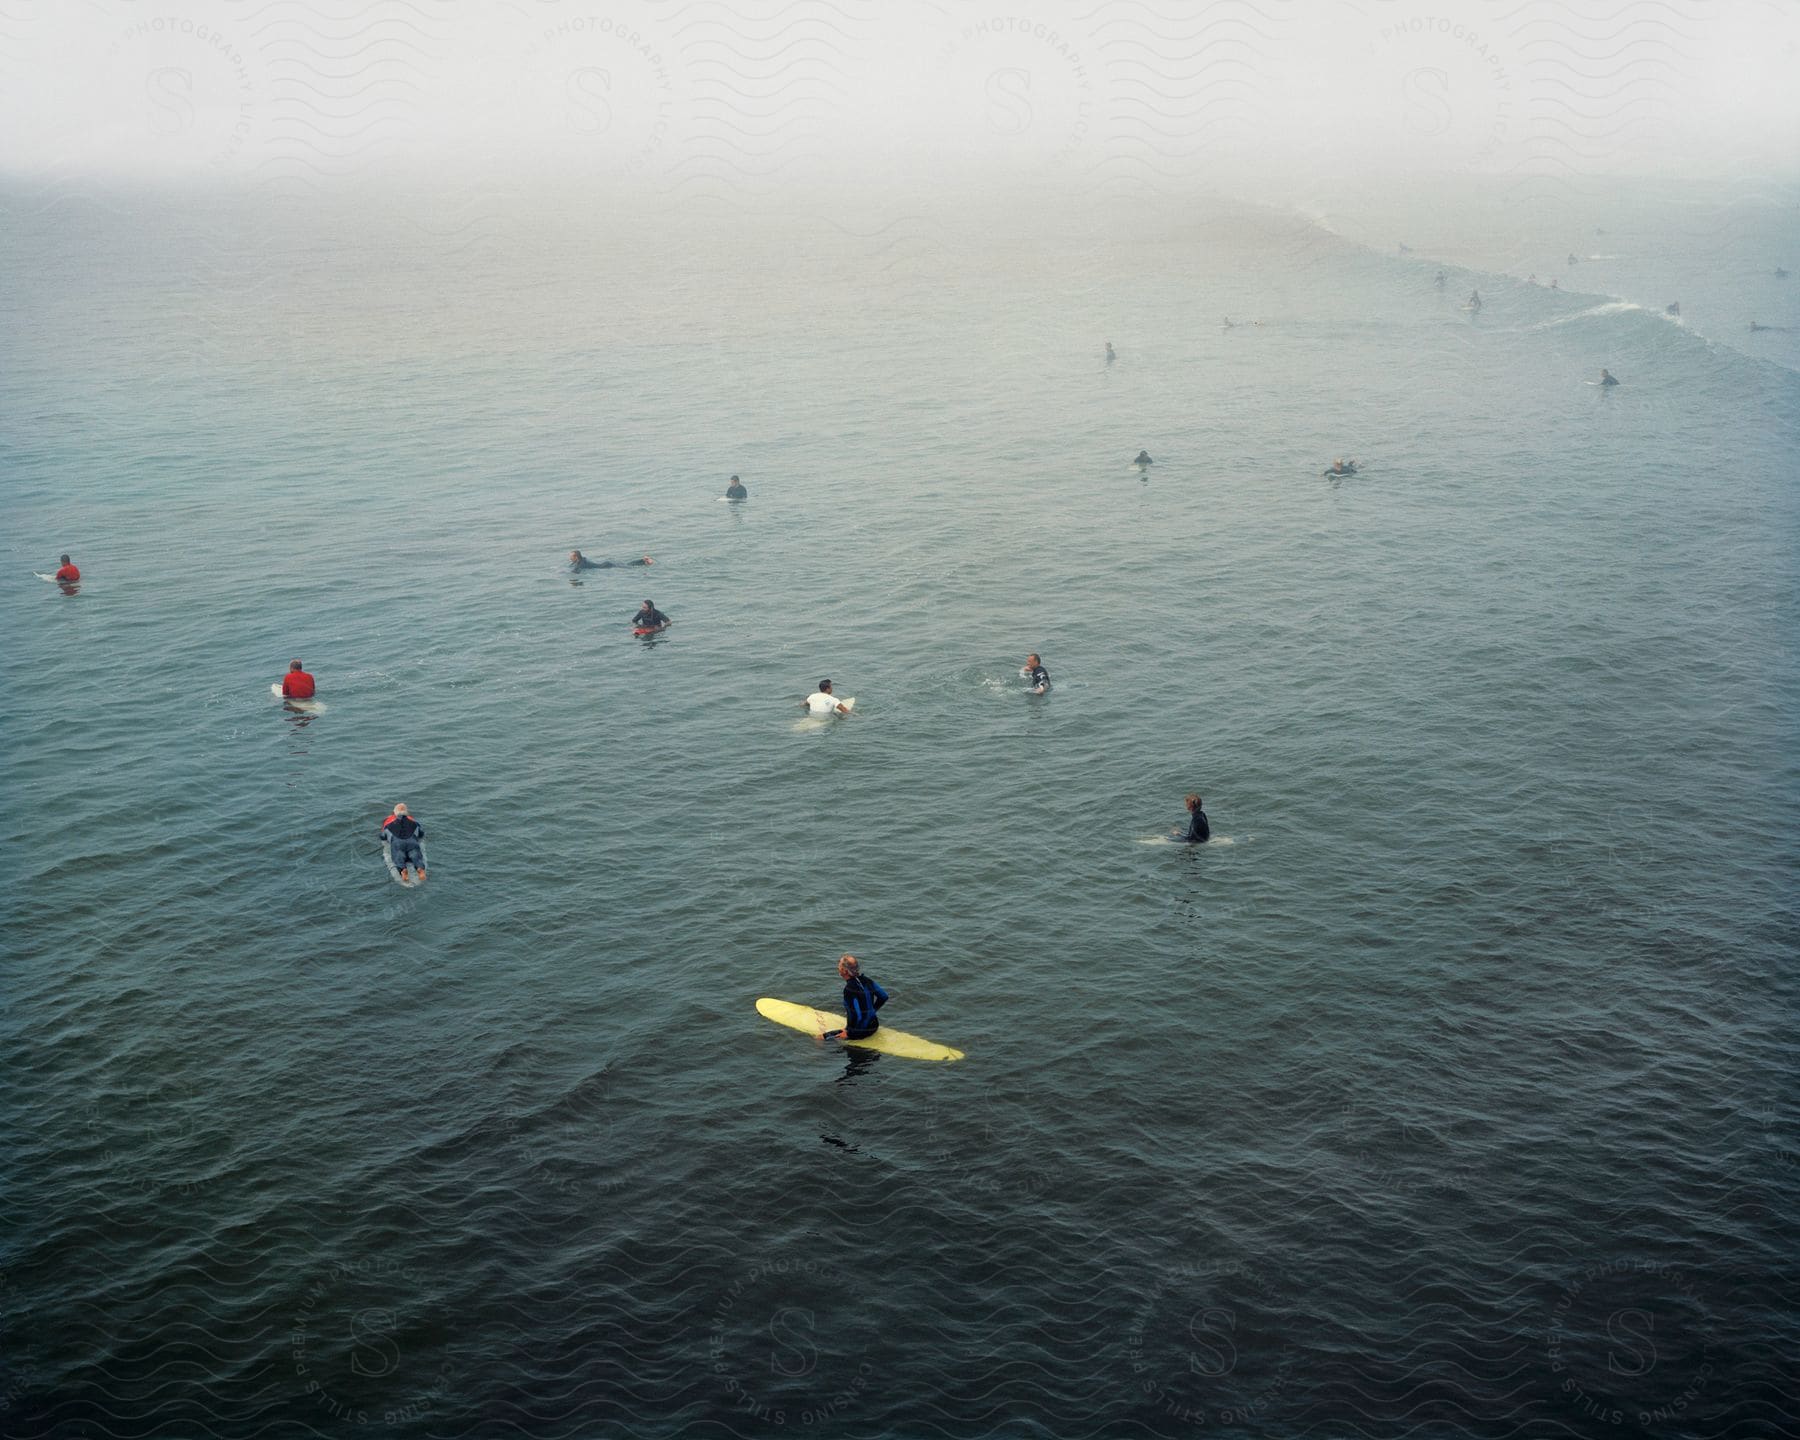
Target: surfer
578 561
1198 831
1341 466
1574 259
1111 354
1607 378
1226 323
1672 308
403 834
68 574
735 490
1143 458
862 998
823 702
648 617
1036 675
1439 282
1474 300
297 684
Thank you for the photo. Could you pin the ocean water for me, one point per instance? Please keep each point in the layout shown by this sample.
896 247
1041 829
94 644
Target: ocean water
1454 1094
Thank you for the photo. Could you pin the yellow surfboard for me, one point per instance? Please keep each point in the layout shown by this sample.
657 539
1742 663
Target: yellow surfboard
888 1042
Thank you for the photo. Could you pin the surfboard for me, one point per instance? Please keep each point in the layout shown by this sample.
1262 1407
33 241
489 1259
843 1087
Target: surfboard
884 1041
387 858
312 707
651 629
42 576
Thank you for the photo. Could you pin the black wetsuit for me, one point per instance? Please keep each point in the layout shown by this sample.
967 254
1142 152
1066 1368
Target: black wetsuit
1198 831
736 492
403 834
586 564
862 998
1037 677
649 619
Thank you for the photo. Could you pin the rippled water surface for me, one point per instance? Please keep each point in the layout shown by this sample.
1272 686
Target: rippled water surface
1449 1091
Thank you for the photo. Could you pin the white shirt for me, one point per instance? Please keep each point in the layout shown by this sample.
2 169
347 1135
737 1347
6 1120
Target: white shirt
822 704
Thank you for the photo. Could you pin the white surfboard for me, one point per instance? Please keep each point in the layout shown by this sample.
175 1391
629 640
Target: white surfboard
311 707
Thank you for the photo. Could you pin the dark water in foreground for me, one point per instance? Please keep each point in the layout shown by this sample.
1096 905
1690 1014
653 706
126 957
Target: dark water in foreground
1454 1095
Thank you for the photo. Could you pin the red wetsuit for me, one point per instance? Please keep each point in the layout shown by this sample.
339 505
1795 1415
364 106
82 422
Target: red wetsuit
68 574
296 685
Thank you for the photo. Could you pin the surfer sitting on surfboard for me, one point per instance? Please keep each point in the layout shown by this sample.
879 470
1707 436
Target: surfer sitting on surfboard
823 702
648 617
862 998
403 834
735 490
68 575
296 684
1198 831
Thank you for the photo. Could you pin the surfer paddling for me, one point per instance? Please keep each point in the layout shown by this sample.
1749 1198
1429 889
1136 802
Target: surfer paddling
579 562
862 998
403 835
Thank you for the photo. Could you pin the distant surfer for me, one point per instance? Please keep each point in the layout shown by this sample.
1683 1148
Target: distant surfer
1341 466
1198 832
297 684
649 617
1780 274
862 998
579 562
1227 323
823 702
1672 308
1555 284
1474 301
1143 459
1036 677
403 835
68 574
735 490
1574 259
1439 282
1111 354
1607 378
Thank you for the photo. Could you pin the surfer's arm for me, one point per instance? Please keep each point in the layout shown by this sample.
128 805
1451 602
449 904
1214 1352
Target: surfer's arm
881 995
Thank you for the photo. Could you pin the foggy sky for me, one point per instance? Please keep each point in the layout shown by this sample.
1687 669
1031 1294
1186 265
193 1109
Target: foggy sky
697 97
